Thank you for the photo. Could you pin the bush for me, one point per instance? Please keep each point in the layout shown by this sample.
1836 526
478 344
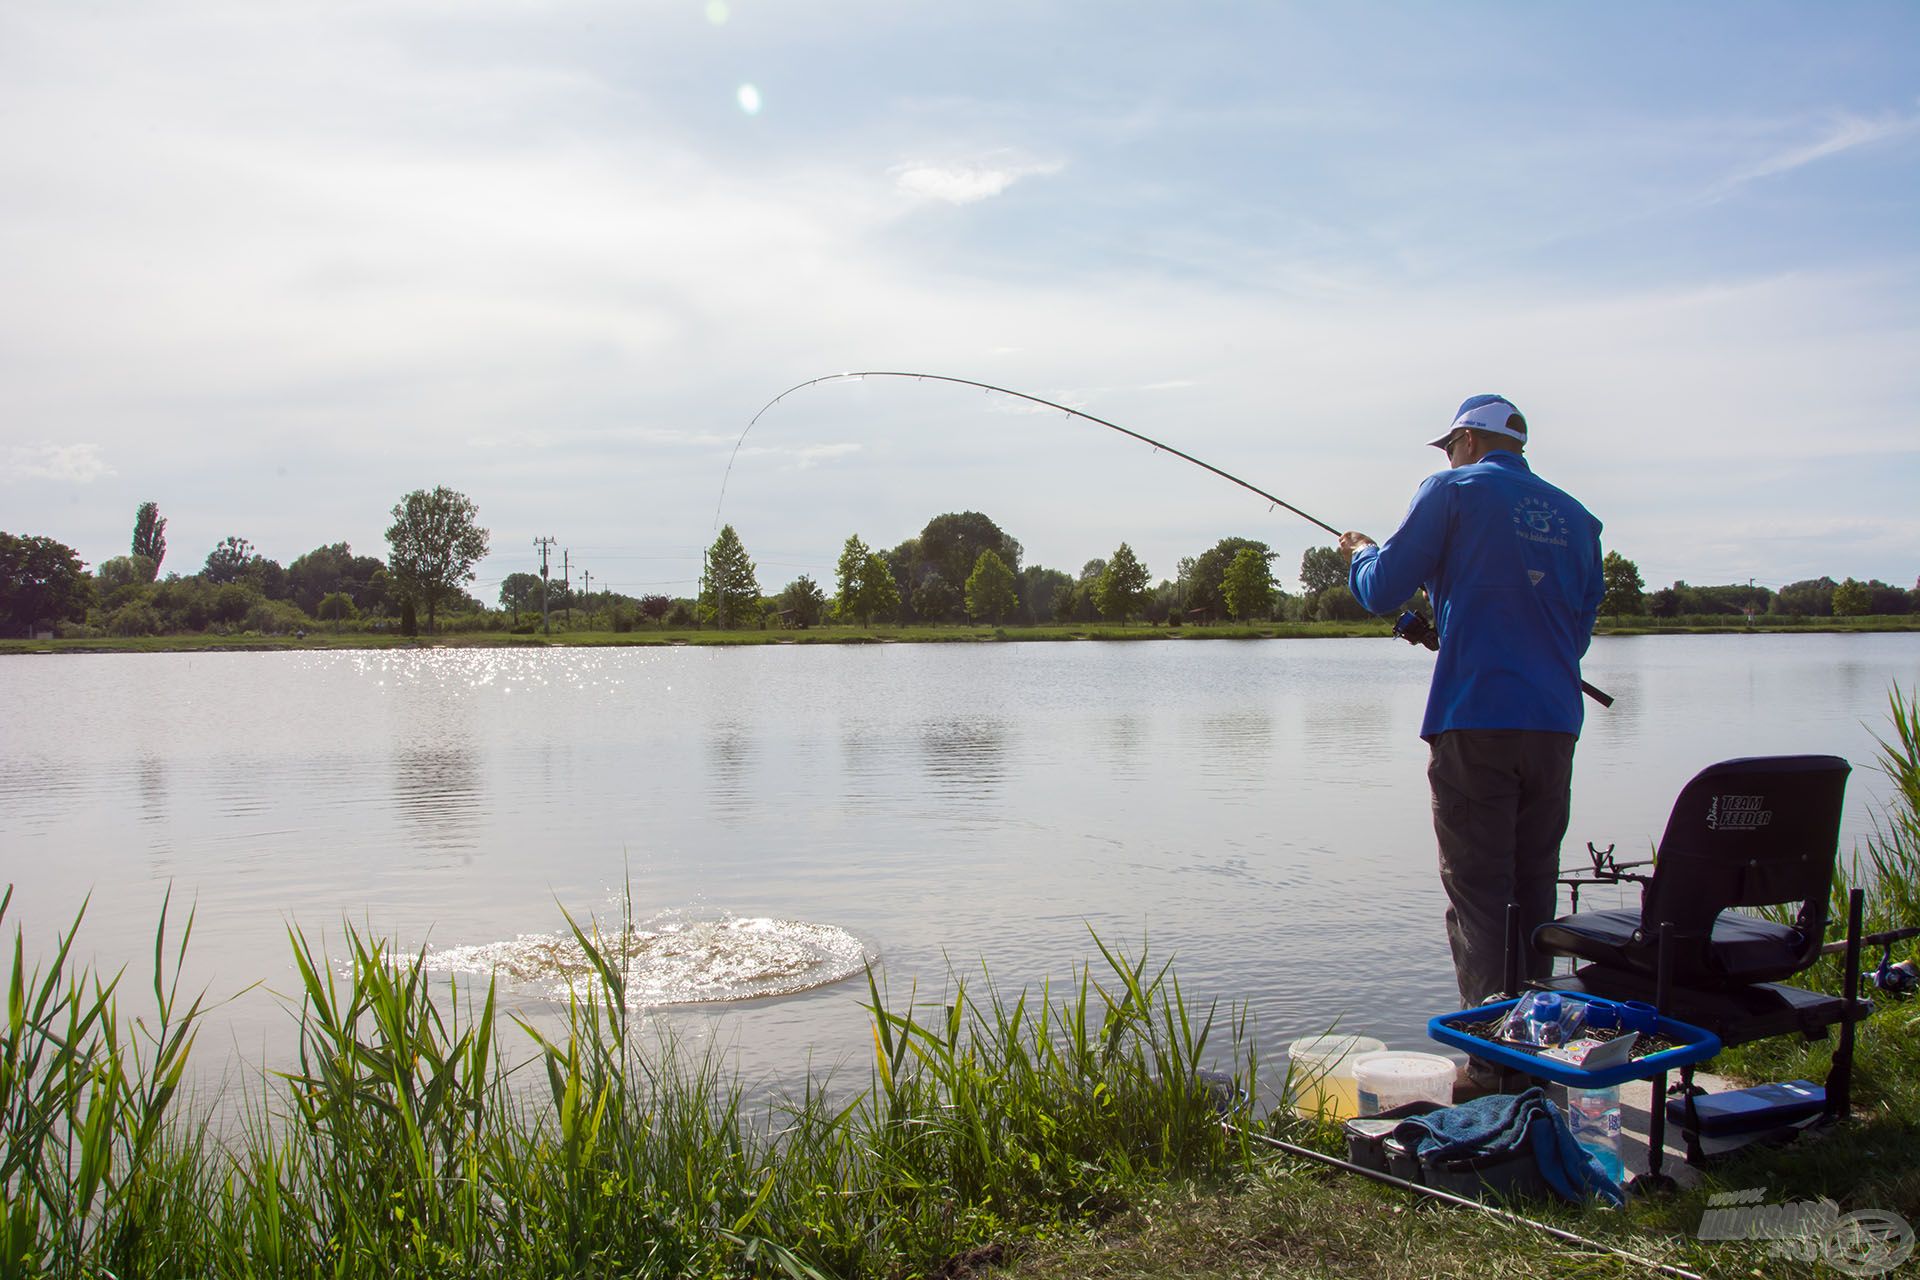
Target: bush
275 618
135 618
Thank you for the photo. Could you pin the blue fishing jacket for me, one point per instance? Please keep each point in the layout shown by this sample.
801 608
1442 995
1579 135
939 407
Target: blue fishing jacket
1512 566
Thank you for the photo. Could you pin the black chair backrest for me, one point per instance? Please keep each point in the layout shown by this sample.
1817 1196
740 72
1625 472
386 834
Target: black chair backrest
1757 832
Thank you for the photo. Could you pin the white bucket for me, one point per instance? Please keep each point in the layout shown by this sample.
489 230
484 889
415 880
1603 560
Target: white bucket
1395 1077
1321 1075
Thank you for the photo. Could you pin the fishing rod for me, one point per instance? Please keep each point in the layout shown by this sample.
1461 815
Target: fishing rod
1413 627
1018 395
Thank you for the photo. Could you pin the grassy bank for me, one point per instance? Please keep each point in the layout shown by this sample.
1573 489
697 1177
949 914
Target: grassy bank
906 634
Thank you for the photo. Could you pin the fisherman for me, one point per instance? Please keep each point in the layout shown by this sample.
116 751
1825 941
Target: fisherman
1512 568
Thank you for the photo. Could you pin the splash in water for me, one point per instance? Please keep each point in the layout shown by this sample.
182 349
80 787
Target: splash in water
676 962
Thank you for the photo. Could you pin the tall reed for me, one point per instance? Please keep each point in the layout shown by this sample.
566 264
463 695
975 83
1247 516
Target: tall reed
398 1145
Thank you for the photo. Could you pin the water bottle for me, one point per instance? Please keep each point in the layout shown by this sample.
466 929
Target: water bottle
1594 1117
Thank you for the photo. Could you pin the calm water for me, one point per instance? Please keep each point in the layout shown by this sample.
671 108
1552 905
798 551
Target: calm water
1255 810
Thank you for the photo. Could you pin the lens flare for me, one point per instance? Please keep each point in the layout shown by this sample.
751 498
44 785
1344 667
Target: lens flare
749 98
718 12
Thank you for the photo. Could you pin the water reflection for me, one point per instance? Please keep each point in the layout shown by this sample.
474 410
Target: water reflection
731 750
437 793
965 759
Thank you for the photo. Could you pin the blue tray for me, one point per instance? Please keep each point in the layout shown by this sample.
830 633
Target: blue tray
1691 1044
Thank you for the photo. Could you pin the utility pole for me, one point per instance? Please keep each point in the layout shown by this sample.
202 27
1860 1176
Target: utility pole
567 582
586 590
543 544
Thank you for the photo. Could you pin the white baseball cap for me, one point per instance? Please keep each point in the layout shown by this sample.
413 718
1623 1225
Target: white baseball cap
1493 414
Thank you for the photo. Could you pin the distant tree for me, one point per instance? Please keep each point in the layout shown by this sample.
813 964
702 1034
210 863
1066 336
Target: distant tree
878 596
335 607
1163 602
952 543
804 597
1336 604
1624 595
319 573
228 561
121 572
729 591
990 593
433 543
1201 577
1247 586
1887 598
150 535
655 607
1812 598
849 573
1038 588
935 598
1852 599
1121 591
522 591
40 581
1322 568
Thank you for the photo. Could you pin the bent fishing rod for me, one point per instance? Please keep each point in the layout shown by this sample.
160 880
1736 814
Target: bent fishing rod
1412 627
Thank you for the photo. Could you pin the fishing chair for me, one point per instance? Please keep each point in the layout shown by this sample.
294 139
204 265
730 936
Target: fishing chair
1748 833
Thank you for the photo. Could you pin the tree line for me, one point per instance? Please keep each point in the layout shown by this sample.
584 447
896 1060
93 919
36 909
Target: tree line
961 567
1821 597
433 543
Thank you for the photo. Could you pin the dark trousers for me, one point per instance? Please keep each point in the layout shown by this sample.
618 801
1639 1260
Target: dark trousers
1500 799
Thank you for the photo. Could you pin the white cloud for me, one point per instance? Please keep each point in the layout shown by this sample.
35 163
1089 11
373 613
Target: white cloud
61 463
804 456
1846 134
965 183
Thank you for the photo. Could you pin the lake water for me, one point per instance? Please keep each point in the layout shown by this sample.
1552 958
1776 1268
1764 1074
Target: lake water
1254 810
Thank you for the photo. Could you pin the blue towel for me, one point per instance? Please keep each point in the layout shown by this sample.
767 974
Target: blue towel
1501 1124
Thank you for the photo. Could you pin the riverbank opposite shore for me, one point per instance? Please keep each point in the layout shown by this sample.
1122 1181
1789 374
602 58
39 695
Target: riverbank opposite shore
903 634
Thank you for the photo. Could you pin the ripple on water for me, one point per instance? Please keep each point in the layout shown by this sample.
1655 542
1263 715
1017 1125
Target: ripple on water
676 962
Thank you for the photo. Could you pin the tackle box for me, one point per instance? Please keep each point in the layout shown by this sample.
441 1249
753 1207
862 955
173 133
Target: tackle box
1371 1145
1754 1110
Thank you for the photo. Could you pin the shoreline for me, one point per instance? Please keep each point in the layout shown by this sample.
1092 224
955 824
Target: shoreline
837 635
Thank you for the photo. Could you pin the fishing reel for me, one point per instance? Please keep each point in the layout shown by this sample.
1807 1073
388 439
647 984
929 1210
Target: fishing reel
1415 629
1896 979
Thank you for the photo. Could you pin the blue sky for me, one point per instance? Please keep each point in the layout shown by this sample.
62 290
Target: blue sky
272 265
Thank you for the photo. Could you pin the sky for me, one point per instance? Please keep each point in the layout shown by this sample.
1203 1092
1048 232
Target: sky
273 264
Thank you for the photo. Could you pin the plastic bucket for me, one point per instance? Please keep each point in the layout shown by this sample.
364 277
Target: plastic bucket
1321 1075
1395 1077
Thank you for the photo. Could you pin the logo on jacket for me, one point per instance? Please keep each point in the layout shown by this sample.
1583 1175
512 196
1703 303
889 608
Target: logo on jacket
1738 813
1538 520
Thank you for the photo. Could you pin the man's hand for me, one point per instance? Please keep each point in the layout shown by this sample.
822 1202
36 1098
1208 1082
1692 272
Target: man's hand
1351 542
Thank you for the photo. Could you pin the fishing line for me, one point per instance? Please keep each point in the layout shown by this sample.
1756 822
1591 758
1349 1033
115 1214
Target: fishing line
1018 395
